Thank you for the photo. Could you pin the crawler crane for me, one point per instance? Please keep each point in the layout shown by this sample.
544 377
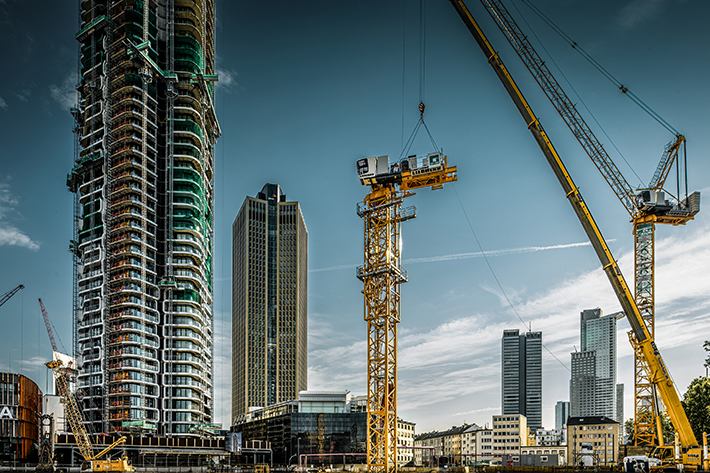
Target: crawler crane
73 414
644 342
646 208
382 274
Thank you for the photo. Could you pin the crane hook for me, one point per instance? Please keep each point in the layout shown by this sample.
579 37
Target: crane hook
421 110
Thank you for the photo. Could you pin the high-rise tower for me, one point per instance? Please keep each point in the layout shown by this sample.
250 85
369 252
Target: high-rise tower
143 239
593 386
269 301
522 375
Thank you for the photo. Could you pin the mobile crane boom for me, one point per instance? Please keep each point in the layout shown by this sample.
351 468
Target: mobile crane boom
659 373
5 297
646 208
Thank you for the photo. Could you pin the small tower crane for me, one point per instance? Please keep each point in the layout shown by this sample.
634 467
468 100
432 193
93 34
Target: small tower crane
382 275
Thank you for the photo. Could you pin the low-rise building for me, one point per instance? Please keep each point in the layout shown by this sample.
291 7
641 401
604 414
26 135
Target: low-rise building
446 446
476 444
316 422
559 450
599 431
551 437
510 432
405 440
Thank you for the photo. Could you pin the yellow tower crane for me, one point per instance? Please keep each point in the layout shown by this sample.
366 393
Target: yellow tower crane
646 208
382 274
688 454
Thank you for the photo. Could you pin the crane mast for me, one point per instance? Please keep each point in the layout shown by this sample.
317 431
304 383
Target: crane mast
659 374
382 274
644 208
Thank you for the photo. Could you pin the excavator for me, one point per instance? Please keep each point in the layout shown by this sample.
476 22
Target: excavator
688 455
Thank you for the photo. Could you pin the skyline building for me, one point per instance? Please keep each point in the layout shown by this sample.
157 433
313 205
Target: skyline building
593 389
269 302
143 176
521 374
562 413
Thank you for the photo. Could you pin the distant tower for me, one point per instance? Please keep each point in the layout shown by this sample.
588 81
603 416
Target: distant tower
143 179
562 412
269 301
522 375
620 404
593 390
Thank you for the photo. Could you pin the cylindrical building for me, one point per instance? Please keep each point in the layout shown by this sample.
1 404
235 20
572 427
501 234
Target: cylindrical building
20 404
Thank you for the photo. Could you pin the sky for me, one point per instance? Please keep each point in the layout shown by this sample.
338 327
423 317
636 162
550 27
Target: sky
307 88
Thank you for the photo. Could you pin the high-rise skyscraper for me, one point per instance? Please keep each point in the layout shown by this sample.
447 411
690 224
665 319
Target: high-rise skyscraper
143 212
522 375
593 391
562 412
269 301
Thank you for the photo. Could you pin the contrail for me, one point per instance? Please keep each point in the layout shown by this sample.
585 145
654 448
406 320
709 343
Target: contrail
460 256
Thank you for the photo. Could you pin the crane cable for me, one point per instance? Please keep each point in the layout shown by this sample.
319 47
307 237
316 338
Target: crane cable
422 87
580 98
634 98
495 277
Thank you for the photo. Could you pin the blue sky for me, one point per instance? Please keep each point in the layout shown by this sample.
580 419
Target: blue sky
306 89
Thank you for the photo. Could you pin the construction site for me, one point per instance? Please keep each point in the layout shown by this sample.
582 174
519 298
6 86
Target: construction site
138 388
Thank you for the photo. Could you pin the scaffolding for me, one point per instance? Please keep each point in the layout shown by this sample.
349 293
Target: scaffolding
142 246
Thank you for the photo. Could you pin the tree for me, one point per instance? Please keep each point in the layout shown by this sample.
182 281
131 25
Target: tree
706 346
666 426
696 403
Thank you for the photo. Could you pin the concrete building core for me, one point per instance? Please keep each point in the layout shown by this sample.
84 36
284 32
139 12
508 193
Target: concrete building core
269 302
144 215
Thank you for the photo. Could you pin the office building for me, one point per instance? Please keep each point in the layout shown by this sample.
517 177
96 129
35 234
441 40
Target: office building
562 412
522 375
509 434
20 407
593 390
269 302
143 170
620 405
316 422
600 432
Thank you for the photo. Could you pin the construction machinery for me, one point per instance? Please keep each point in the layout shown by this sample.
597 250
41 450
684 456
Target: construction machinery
6 297
642 338
45 462
382 275
646 207
73 415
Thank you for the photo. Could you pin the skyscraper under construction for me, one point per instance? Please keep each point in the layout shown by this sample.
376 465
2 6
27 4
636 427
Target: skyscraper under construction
143 245
269 301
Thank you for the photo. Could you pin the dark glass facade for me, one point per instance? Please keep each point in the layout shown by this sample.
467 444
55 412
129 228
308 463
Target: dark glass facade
312 433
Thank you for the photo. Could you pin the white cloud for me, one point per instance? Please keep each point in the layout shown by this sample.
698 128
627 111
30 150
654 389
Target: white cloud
9 234
3 104
462 256
453 369
638 11
65 93
227 79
